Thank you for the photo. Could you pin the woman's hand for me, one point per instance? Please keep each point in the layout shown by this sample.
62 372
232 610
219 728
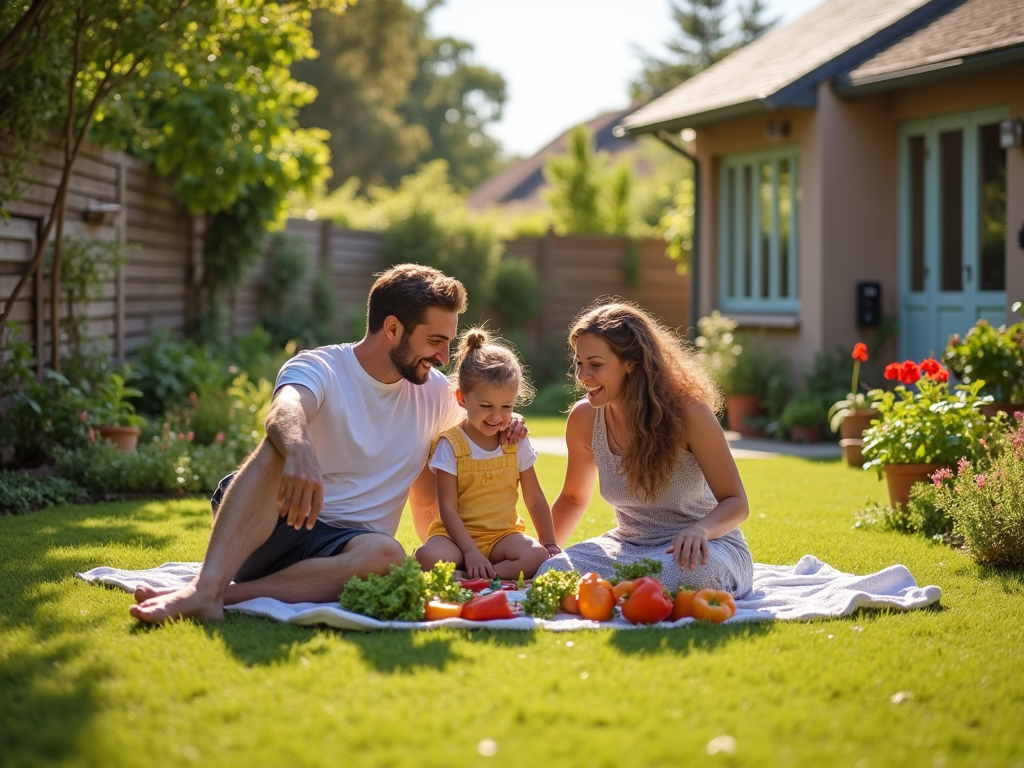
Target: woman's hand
690 548
478 566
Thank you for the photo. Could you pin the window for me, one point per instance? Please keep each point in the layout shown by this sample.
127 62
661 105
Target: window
760 196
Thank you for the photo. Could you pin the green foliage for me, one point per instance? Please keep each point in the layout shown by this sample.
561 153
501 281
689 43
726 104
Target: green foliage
755 369
553 399
111 406
677 224
440 584
986 505
581 193
645 566
718 346
932 425
547 590
287 312
517 293
21 493
399 596
805 410
87 266
993 355
394 97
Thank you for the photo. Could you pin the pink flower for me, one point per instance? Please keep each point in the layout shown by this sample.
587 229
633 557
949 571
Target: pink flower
84 416
181 435
91 435
219 438
962 465
980 480
190 436
940 475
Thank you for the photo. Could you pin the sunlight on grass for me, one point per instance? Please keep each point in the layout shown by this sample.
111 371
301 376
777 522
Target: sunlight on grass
83 684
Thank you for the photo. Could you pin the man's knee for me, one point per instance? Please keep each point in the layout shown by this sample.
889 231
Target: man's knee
378 552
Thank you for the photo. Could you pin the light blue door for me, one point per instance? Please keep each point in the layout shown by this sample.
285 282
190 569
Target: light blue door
952 233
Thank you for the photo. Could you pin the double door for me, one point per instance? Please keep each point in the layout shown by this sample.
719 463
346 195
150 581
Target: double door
952 234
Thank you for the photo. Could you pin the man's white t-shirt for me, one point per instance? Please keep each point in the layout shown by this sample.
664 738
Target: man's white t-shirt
444 455
371 439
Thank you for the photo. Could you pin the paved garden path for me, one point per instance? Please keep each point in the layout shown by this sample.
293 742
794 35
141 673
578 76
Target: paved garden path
742 447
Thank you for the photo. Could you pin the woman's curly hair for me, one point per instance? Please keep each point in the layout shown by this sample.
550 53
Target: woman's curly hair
665 377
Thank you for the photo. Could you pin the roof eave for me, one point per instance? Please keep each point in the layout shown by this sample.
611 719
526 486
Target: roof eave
849 87
695 120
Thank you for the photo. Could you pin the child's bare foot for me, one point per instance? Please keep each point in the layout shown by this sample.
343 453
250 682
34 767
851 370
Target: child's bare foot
145 592
186 602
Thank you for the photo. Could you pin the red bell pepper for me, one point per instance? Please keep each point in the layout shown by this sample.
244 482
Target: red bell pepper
487 607
647 602
475 585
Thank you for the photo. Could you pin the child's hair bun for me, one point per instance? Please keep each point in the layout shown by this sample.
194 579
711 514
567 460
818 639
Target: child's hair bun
474 339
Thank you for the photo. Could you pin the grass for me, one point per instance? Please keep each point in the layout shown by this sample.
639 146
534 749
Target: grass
81 684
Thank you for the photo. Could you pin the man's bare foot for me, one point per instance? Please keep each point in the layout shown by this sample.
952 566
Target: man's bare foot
183 603
145 592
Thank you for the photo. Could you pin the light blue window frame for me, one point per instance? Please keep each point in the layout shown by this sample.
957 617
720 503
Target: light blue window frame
759 269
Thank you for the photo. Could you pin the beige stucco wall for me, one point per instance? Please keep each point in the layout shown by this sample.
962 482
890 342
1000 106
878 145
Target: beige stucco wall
848 216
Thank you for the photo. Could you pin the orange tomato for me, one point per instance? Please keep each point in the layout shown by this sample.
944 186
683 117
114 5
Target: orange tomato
683 604
594 578
436 610
596 603
621 589
714 605
570 604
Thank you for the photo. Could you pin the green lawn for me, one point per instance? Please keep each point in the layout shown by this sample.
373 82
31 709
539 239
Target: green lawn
82 684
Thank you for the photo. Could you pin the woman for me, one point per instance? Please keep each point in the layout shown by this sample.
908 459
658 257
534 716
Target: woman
647 427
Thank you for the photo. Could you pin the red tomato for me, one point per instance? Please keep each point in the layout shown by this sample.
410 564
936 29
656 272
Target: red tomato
647 603
714 605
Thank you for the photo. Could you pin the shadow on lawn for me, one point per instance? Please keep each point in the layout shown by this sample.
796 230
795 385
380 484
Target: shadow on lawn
401 651
684 641
49 673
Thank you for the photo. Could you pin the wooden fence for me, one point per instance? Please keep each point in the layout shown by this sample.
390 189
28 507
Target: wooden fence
161 245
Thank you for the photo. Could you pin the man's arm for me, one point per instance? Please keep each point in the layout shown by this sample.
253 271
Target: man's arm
423 502
301 493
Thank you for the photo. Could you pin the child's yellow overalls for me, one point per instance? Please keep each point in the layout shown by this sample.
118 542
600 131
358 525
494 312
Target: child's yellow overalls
488 493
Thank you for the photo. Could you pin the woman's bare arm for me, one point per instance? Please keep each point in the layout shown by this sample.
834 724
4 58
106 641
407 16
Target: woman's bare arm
580 471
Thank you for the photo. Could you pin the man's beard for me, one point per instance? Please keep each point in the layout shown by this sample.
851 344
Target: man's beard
407 365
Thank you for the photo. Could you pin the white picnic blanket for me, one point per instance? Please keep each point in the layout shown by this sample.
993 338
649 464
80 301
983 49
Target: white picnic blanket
810 589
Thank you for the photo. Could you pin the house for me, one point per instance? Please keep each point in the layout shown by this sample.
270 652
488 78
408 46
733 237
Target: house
871 145
521 185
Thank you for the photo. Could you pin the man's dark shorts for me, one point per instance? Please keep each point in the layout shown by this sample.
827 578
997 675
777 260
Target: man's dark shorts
287 546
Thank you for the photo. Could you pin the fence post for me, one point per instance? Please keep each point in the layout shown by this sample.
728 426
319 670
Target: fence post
122 240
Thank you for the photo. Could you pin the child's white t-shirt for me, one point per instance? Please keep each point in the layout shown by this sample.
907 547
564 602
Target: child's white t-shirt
371 439
444 455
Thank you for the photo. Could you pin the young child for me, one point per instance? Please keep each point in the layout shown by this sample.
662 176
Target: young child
478 479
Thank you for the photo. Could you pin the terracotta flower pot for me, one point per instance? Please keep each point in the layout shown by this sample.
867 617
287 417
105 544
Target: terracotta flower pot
900 477
1001 406
739 408
852 453
851 430
805 434
126 438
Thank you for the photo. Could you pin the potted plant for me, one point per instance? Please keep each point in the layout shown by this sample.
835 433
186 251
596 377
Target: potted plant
853 414
919 432
803 416
115 416
992 355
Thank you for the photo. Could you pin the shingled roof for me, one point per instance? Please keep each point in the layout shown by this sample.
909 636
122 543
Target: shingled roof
978 34
783 67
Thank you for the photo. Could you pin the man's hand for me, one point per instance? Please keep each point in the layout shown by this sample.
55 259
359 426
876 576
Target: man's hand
301 493
515 431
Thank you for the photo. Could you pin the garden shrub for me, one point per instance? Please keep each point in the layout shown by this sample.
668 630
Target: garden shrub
517 295
921 516
553 400
22 493
986 504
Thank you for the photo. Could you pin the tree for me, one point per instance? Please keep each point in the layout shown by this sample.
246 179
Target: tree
702 40
393 97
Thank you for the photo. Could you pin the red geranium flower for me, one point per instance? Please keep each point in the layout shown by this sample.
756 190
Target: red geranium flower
941 375
860 352
909 372
892 371
930 366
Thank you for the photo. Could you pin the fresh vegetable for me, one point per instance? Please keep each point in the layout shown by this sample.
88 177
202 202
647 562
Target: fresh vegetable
682 606
570 604
496 584
436 610
520 582
596 602
621 590
595 578
546 593
648 603
441 584
645 566
714 605
476 585
398 596
487 607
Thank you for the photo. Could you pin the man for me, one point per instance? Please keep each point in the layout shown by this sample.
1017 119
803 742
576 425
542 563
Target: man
348 434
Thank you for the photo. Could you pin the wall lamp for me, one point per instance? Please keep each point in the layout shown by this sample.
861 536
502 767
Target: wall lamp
101 213
1011 133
